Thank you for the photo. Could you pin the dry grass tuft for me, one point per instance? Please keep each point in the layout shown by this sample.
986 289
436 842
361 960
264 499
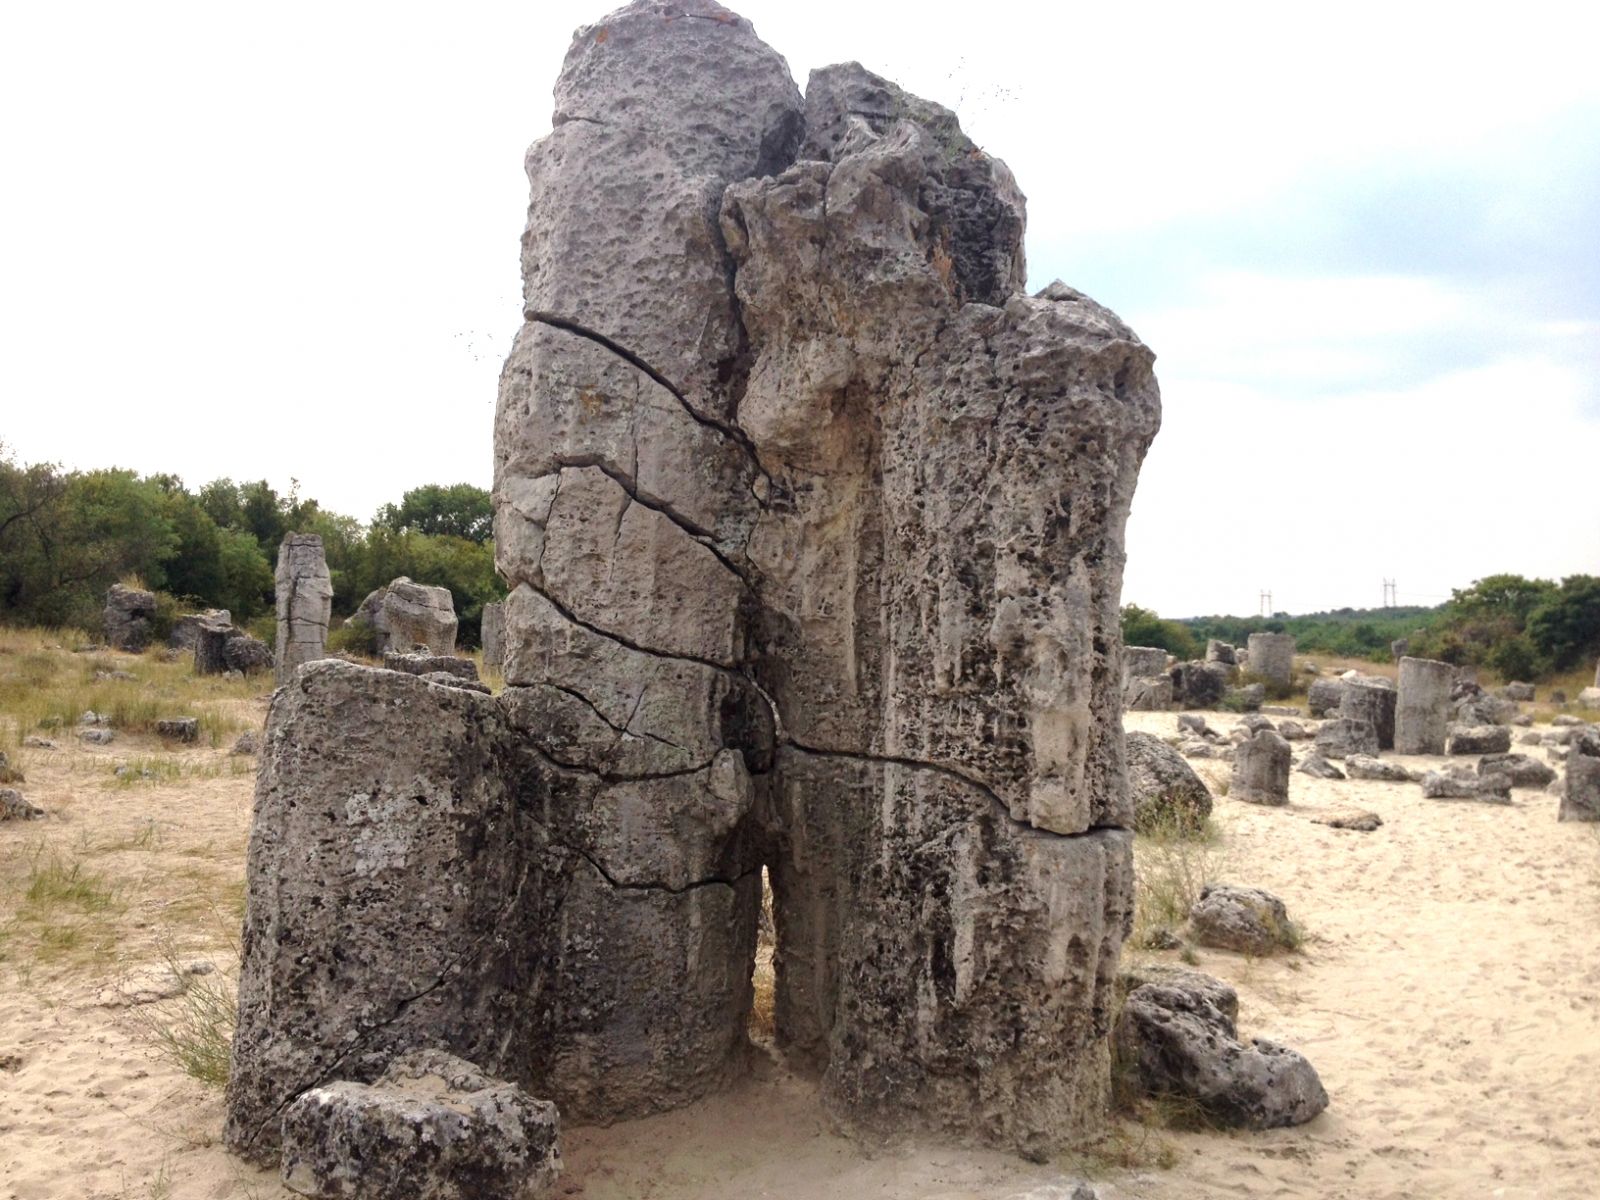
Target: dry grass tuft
1171 867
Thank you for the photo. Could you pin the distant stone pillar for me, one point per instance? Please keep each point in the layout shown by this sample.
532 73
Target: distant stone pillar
493 635
1271 656
1374 704
211 647
1580 796
1261 770
305 603
1422 710
1220 652
127 617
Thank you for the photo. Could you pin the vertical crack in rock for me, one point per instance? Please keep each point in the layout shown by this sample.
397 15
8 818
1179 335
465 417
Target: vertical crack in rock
812 522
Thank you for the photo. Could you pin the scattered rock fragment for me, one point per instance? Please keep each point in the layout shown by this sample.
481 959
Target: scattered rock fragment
1460 783
432 1127
1177 1037
1244 919
15 807
1318 767
1363 766
1363 821
1519 768
1478 739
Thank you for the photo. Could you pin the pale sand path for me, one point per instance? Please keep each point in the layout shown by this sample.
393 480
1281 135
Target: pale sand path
1450 998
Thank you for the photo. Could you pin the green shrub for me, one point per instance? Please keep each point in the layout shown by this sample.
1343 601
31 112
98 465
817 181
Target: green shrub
354 637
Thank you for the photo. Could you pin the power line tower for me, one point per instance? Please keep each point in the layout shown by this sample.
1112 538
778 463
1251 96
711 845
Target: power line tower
1266 603
1391 594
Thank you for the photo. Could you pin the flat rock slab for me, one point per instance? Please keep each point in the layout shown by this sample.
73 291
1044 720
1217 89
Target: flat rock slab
1361 822
433 1127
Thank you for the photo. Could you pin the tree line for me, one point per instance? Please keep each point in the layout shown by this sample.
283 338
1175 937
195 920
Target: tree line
67 536
1520 628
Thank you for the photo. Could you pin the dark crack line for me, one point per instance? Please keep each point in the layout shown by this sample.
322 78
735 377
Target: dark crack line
630 487
732 432
609 777
402 1006
951 773
626 642
621 730
656 887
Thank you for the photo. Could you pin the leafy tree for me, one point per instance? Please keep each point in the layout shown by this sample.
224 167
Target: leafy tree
1507 597
1566 626
460 510
1142 627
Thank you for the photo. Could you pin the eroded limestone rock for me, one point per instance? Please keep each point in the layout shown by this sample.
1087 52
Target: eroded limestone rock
1423 707
128 615
1167 794
305 602
812 523
1261 770
405 616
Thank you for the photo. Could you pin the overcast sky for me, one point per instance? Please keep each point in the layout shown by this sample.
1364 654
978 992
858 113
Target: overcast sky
281 241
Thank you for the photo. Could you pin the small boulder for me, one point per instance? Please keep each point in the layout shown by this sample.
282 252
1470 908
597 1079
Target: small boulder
1247 920
1519 768
35 742
1193 722
1318 767
1478 739
1178 1037
1325 696
433 1127
1458 783
1517 691
96 736
1566 720
1261 770
1292 731
179 729
1589 697
1362 821
15 807
1362 766
1254 723
1166 792
1344 736
248 742
1199 684
1245 699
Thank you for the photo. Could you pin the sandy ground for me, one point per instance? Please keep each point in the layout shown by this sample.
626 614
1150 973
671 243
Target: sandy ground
1449 994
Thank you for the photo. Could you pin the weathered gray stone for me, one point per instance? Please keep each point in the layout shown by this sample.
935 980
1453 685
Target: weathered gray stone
1254 723
248 742
1248 920
422 663
1199 684
179 729
1271 656
1363 766
1261 770
1481 708
1152 694
1324 696
1141 662
406 616
1194 723
1517 691
1460 783
492 634
1478 739
1363 821
15 807
1589 697
1399 648
1344 736
219 648
1245 699
1318 767
1374 703
1422 712
187 627
128 614
1580 796
431 1128
97 736
777 437
1519 768
1220 652
1177 1038
1167 794
1292 731
305 602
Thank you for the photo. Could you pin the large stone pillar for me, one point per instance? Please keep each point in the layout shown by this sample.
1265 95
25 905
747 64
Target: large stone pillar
624 497
1422 710
1271 656
305 603
1373 703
